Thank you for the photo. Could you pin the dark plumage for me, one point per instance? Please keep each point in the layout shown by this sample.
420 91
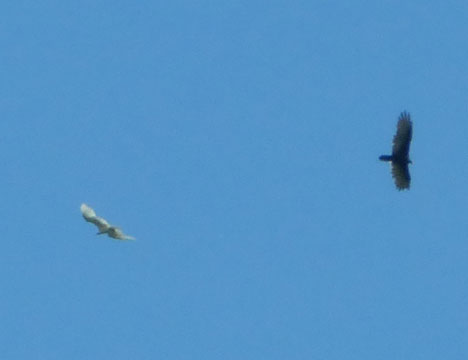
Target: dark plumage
400 152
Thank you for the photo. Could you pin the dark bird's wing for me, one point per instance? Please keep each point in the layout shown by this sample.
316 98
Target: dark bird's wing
402 139
401 175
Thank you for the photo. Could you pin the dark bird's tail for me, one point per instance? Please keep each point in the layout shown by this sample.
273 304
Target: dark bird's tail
385 157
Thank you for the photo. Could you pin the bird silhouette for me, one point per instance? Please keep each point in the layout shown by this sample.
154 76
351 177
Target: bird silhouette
103 226
400 152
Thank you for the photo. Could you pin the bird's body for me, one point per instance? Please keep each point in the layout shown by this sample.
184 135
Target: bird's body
103 226
400 152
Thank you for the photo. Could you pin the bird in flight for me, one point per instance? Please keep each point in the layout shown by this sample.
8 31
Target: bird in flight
103 226
400 152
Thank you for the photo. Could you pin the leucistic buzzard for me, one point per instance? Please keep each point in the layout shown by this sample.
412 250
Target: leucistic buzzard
400 152
103 226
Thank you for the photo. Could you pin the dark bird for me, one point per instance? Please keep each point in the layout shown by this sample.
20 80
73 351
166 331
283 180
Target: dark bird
400 152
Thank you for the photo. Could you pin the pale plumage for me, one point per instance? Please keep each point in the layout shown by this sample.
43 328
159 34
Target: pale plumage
103 226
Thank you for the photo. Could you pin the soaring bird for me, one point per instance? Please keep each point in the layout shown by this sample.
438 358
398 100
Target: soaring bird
103 226
400 152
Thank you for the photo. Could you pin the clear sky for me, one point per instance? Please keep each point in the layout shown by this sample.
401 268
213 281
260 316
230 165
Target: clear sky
238 141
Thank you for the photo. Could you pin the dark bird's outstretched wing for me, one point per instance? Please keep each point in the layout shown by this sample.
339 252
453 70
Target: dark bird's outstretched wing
402 139
400 152
400 173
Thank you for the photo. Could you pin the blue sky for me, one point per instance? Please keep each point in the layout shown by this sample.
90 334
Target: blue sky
238 141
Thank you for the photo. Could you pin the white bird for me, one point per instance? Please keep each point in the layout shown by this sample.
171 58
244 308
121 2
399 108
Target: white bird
103 226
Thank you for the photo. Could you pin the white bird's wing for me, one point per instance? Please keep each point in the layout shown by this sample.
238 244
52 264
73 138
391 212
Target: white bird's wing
90 215
101 223
116 233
